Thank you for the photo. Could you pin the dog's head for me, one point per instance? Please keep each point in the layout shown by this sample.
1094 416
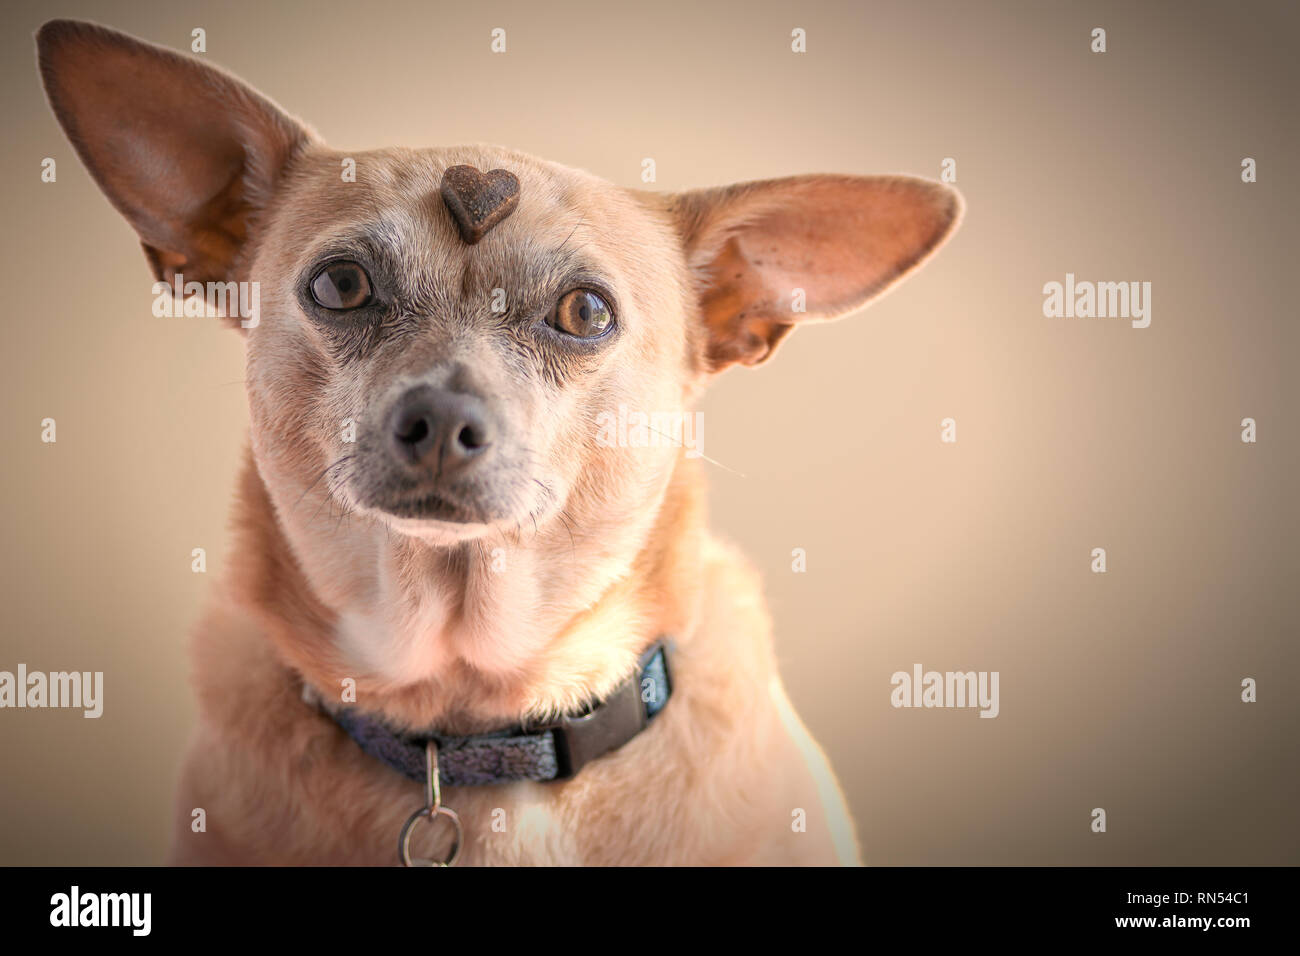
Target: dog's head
444 387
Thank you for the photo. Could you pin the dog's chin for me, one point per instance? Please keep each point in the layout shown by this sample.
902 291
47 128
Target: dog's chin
436 532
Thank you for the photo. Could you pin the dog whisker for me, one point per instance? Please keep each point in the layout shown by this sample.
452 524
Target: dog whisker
328 468
711 461
568 527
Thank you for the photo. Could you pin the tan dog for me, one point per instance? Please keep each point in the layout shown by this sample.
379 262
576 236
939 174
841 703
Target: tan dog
428 513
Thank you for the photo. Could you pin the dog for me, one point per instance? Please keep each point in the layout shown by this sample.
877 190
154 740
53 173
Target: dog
456 626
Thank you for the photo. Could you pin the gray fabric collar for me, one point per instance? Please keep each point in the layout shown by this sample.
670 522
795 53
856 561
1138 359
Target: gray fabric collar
555 751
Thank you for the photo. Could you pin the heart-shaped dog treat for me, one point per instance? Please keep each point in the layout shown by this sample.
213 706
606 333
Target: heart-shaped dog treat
479 201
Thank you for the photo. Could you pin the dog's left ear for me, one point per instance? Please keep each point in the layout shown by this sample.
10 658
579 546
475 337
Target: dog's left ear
769 255
186 152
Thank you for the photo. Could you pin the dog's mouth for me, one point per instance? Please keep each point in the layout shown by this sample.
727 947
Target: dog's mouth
431 506
444 515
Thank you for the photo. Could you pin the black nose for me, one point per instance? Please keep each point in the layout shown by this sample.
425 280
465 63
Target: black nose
438 428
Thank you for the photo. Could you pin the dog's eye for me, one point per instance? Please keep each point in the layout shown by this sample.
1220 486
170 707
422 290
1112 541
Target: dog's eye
340 286
582 314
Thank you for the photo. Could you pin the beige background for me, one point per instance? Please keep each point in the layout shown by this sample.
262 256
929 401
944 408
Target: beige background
1118 691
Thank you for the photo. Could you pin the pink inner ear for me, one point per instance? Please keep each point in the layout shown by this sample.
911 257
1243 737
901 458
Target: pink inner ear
183 150
842 241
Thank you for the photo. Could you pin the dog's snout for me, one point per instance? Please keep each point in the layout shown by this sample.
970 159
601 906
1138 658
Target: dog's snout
439 428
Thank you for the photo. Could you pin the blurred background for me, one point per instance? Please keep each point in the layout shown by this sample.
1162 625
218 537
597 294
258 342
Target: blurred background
1119 690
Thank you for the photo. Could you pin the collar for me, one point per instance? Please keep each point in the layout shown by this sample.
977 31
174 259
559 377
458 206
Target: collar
553 751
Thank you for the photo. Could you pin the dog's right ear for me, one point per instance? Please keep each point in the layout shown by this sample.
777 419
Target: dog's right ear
184 151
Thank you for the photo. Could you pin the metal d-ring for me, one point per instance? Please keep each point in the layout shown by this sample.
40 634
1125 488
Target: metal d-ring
431 810
404 843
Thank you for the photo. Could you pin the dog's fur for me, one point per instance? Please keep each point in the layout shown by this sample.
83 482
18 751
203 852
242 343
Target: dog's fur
604 548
